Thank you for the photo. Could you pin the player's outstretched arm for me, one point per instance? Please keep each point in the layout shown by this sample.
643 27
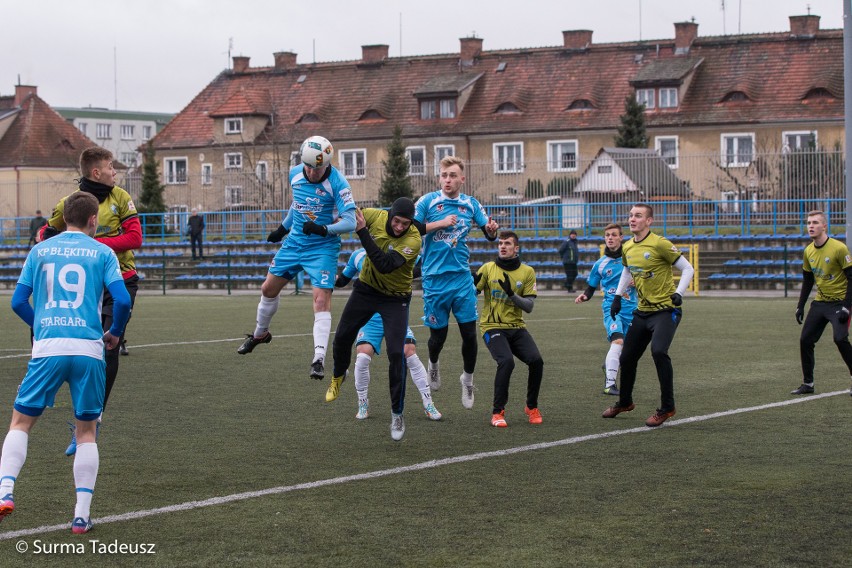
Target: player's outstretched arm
21 304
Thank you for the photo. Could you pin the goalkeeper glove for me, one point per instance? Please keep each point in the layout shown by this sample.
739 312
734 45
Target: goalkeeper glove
677 299
277 235
506 284
843 314
615 307
800 315
311 228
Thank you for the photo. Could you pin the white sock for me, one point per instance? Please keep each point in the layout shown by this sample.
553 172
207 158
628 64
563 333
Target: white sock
467 379
322 328
612 365
14 456
266 308
86 462
362 374
419 377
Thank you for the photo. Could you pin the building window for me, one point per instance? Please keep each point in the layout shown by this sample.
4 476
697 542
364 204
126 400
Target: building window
666 147
175 170
83 127
731 202
354 163
233 125
128 159
509 158
645 97
668 98
605 169
442 152
562 156
127 131
416 160
799 141
206 174
103 130
262 172
233 195
437 108
175 218
737 149
146 132
233 160
295 159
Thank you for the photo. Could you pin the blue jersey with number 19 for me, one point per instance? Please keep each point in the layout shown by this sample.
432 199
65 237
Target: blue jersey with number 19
68 274
321 203
445 250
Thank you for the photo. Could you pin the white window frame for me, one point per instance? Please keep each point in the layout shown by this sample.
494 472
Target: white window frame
170 171
441 152
127 131
147 129
671 161
103 131
230 192
233 160
504 163
349 163
604 169
175 217
83 127
555 152
206 174
128 158
798 134
447 108
668 97
233 125
736 136
261 170
419 169
731 202
646 97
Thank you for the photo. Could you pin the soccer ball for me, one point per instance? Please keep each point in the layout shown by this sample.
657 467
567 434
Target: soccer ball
316 152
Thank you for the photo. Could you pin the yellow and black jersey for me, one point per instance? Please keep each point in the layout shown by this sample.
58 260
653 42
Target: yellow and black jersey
650 262
827 264
117 208
396 282
499 311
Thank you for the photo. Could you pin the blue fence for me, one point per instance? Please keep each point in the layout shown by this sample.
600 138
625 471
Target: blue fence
743 217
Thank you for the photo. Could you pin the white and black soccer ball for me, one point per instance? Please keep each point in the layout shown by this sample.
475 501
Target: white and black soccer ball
316 152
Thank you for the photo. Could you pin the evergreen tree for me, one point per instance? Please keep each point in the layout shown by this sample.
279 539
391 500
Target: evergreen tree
151 198
631 131
395 180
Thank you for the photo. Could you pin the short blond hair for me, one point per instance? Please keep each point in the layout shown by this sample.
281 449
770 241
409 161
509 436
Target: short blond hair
820 214
449 161
614 226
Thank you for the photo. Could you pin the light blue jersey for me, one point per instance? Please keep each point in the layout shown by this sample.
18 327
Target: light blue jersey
67 275
321 203
606 273
373 331
445 250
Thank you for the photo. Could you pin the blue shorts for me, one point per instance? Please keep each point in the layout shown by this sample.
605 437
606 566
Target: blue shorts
619 324
319 263
449 292
374 332
86 376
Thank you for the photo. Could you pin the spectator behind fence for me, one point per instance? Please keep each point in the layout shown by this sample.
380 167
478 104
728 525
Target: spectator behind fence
37 223
195 231
569 252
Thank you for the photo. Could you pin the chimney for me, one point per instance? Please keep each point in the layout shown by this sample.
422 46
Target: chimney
374 53
804 26
22 92
685 34
284 60
577 39
471 47
241 63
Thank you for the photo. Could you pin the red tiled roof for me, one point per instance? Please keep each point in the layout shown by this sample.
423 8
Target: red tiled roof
40 137
245 102
775 70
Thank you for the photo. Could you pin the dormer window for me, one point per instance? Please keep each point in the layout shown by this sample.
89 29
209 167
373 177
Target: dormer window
735 97
819 93
309 117
233 125
508 108
581 104
668 97
645 97
371 114
437 108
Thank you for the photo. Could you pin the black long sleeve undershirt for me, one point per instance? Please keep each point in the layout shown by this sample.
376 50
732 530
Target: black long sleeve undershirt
384 262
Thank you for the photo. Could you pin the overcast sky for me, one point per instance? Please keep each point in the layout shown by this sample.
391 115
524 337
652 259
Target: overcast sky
156 55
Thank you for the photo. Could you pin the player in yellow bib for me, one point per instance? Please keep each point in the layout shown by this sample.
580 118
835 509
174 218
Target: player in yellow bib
510 289
392 243
827 264
647 261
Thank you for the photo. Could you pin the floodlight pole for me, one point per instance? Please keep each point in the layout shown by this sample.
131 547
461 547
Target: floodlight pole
847 107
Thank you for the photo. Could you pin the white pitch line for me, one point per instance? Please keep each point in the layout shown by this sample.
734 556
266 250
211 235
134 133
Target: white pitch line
190 505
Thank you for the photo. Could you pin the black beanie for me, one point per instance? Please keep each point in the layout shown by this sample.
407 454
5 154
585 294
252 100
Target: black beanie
402 207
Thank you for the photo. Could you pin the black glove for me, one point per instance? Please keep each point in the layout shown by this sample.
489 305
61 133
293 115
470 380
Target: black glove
49 231
800 315
311 228
677 299
341 281
615 307
843 315
506 284
476 278
277 235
